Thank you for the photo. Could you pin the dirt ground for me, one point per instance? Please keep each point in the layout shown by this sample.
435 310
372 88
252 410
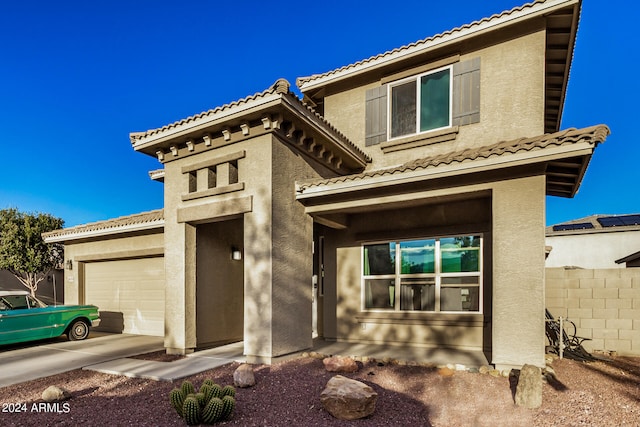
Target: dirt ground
287 394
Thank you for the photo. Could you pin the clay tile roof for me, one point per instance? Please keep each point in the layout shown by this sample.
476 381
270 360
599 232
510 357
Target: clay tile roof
594 134
144 220
420 43
280 86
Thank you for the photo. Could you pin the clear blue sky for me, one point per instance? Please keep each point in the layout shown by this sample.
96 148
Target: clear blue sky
76 77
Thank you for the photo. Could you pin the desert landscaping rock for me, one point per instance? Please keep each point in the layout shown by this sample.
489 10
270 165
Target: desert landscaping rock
340 364
529 388
55 394
244 377
348 399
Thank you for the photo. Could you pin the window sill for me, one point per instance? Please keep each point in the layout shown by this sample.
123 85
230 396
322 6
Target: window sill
420 140
214 191
432 319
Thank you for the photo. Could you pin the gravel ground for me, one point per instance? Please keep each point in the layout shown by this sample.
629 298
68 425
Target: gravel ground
287 394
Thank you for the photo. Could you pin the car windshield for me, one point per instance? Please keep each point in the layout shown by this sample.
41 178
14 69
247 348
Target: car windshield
19 302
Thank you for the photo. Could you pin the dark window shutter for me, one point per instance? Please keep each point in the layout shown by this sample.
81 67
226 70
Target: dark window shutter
376 115
466 92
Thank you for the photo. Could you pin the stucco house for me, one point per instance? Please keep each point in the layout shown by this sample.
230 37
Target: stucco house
400 201
596 241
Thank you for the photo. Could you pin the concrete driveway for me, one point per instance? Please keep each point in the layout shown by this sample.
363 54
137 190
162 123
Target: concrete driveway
35 360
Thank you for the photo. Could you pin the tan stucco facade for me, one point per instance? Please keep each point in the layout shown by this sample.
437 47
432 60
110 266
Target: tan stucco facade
268 178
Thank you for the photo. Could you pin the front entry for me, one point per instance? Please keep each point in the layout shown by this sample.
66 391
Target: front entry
219 283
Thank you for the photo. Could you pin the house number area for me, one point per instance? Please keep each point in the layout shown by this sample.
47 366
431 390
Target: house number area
55 408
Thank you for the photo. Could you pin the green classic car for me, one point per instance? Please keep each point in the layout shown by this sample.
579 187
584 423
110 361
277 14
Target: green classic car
25 318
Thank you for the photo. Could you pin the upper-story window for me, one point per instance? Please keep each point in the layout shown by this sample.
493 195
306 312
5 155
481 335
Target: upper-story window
421 103
437 99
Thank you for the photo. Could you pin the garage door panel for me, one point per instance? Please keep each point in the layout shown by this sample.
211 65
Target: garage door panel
129 292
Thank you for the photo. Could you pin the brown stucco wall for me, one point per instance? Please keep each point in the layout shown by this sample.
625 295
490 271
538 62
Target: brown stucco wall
511 97
603 303
513 270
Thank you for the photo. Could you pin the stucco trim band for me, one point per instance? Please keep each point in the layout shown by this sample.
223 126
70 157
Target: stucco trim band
214 211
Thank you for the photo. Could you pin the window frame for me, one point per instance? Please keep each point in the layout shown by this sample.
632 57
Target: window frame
437 276
416 78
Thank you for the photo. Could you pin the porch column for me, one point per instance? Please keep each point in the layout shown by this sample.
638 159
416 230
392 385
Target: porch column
518 272
180 299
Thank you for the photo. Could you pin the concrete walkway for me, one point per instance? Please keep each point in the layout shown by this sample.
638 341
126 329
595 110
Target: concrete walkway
111 354
168 371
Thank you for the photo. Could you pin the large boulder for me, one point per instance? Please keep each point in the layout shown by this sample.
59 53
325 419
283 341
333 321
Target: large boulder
348 399
340 364
529 388
244 377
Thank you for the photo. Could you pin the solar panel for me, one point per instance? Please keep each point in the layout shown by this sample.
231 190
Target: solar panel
576 226
619 221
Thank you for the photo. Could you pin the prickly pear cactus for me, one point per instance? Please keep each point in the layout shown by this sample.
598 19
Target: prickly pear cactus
213 411
191 411
228 390
176 396
228 404
188 388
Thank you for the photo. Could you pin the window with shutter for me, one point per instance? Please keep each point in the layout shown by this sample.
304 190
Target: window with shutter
437 99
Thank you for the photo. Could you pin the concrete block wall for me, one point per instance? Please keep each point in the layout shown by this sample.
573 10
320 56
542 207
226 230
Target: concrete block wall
604 305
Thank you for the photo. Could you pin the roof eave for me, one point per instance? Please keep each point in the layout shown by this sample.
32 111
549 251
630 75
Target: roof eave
455 37
449 170
71 235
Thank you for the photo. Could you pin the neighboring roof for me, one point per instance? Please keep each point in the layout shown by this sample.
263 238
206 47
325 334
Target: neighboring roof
561 24
276 94
590 136
125 224
630 258
596 224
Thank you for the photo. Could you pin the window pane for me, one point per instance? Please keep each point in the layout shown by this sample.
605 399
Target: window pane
418 256
403 109
379 293
460 254
434 100
418 294
454 296
380 259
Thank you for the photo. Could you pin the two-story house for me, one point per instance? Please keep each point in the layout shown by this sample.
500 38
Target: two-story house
407 189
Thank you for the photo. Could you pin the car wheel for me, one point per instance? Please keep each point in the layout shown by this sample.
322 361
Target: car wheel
78 330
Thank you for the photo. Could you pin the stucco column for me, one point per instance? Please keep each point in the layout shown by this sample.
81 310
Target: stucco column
180 299
518 272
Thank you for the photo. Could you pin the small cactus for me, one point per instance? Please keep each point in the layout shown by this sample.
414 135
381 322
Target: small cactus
208 382
201 399
188 388
191 411
228 390
213 411
228 404
176 396
216 391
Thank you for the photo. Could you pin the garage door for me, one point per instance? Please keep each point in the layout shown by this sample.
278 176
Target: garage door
128 293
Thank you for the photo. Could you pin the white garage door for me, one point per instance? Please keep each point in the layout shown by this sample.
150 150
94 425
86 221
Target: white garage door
128 293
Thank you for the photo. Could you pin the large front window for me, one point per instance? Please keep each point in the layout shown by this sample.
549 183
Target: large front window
435 275
421 103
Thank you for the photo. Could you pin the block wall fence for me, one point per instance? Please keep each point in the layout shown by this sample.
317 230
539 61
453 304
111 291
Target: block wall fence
604 305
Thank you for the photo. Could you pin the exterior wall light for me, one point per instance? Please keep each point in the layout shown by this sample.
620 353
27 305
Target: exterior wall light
69 264
236 254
